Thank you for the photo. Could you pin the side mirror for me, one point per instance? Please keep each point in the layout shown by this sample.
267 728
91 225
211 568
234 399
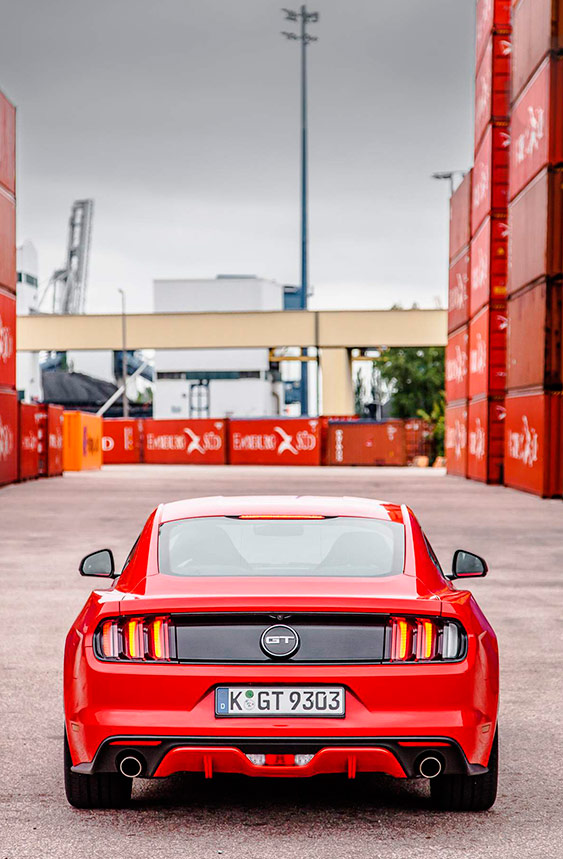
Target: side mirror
466 565
99 563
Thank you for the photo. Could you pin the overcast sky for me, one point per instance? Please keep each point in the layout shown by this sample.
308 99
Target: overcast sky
180 119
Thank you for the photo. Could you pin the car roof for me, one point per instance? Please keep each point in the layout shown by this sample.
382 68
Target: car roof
281 505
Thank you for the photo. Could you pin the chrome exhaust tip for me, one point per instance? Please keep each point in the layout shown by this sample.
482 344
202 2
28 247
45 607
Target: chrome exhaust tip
130 766
429 766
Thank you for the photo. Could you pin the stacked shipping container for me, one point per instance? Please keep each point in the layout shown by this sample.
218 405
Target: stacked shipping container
8 395
534 367
457 351
489 244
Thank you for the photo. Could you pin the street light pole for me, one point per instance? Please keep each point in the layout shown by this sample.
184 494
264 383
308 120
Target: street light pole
303 17
124 354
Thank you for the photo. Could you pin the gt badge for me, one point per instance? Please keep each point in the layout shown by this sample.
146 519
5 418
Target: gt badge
279 641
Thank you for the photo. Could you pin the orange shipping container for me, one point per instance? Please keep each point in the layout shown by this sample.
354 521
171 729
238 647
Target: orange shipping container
82 441
456 439
485 440
7 144
532 459
121 440
366 443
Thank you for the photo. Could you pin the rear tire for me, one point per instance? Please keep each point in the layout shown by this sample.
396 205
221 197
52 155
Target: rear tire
467 792
101 790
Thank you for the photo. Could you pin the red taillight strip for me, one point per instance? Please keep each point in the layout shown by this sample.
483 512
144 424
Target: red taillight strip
429 745
279 516
135 743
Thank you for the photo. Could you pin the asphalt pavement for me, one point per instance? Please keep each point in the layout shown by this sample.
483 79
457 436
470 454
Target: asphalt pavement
47 526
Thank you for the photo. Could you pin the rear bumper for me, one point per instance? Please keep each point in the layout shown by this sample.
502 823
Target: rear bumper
164 756
172 707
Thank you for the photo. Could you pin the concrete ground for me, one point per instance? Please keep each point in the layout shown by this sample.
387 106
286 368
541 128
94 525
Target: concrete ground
47 526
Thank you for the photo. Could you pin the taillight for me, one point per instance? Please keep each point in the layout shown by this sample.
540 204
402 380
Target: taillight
401 639
421 639
146 639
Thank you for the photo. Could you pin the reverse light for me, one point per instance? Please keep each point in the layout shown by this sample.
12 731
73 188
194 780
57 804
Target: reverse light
145 639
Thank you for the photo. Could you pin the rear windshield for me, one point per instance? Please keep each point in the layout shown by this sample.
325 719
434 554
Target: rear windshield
228 546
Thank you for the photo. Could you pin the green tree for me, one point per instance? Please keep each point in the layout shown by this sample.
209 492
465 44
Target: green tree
417 377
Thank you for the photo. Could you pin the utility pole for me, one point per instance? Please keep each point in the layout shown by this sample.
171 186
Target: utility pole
302 18
124 354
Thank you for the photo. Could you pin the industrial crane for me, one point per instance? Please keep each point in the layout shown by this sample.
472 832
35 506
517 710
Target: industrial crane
68 285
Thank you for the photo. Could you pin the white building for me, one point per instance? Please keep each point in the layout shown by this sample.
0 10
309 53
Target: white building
28 374
216 382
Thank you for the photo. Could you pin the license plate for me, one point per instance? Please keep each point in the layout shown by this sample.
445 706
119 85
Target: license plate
323 701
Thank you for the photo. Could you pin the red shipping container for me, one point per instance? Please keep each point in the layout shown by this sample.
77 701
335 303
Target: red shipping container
275 441
8 437
489 264
490 175
538 29
460 217
485 440
7 340
194 440
492 85
457 363
121 440
537 125
487 352
532 458
29 420
536 231
534 337
7 241
7 144
455 442
50 440
491 16
458 291
367 443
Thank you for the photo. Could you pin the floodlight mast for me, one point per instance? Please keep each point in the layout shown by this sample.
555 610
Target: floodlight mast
303 18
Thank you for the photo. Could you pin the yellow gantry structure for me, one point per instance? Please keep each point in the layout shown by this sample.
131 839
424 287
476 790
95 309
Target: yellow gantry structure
333 332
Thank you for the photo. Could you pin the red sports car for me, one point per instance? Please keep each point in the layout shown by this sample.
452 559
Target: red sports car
281 637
